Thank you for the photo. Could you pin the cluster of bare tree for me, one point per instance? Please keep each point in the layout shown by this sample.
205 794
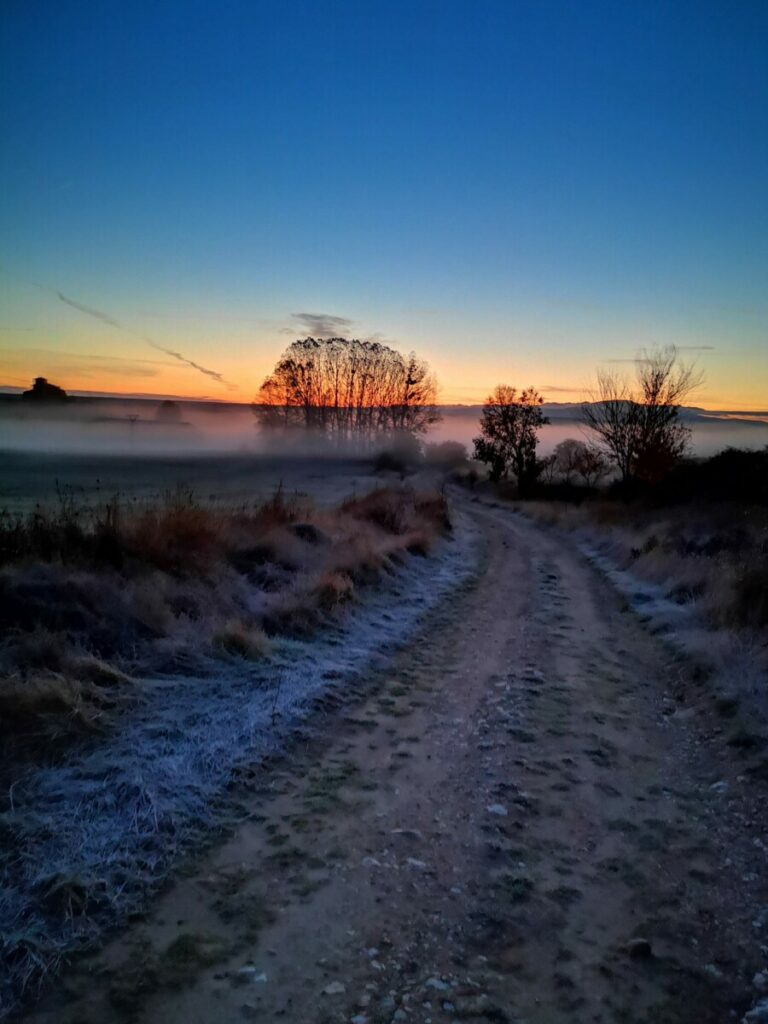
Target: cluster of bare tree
574 460
634 427
637 424
347 390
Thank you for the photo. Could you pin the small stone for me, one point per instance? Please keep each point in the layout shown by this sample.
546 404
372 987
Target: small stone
418 865
760 981
252 974
359 1018
334 989
498 809
758 1014
640 949
400 1015
437 984
475 1006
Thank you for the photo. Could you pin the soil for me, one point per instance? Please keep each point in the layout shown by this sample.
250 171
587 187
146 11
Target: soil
519 821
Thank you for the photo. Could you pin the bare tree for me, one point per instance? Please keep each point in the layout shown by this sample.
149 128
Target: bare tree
566 458
508 434
637 424
346 389
591 465
574 458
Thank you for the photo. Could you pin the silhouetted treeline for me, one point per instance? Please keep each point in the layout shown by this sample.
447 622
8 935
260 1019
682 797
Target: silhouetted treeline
347 390
734 474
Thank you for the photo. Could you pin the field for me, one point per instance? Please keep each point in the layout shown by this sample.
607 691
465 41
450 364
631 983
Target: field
342 744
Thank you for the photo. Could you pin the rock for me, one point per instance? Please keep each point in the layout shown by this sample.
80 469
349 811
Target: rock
307 532
760 981
334 989
437 984
419 865
359 1018
400 1015
252 974
640 949
479 1006
758 1014
498 809
719 787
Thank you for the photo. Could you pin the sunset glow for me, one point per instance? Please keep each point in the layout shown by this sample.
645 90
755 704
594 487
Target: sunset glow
430 183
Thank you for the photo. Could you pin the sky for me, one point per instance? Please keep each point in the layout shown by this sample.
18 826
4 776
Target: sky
520 192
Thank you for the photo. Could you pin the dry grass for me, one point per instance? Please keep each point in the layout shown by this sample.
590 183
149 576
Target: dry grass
711 558
94 596
716 556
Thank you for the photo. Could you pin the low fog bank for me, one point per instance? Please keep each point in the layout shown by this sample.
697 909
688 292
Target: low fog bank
114 426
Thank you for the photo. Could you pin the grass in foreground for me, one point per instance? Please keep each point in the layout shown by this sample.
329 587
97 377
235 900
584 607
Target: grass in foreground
95 597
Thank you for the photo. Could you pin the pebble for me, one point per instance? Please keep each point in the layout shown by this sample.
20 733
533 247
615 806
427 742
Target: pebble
336 988
252 974
758 1014
435 983
640 949
498 809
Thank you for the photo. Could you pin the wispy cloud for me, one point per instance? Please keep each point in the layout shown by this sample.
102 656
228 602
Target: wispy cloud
680 348
322 325
558 387
86 364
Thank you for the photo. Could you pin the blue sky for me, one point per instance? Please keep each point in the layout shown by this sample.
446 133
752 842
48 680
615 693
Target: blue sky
519 191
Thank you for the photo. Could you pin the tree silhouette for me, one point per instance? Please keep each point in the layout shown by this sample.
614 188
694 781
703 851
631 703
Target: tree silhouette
508 434
346 389
637 424
43 391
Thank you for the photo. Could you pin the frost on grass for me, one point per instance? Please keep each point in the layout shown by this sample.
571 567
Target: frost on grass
84 841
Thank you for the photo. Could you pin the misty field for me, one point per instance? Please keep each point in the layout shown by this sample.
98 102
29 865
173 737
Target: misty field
30 478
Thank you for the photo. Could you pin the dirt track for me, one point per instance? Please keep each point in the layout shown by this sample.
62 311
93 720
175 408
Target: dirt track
517 823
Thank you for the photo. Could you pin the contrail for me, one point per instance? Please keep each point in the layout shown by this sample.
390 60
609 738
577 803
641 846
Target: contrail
97 314
183 359
91 312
